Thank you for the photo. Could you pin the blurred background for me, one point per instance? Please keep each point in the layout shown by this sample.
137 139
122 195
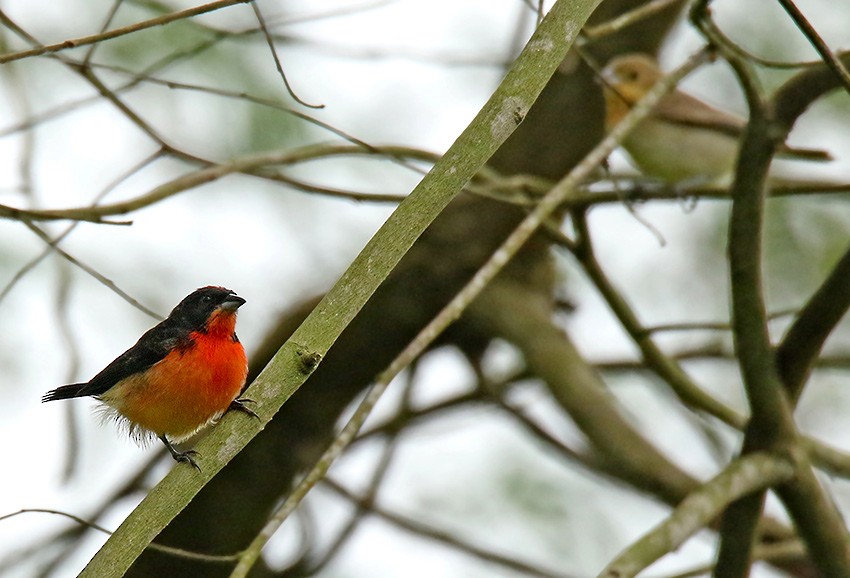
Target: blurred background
475 463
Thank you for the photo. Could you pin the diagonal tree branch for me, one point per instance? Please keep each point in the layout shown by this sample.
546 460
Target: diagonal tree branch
752 473
817 42
802 344
288 370
642 460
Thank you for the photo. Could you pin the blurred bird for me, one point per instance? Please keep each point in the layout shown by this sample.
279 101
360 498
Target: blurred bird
181 375
683 139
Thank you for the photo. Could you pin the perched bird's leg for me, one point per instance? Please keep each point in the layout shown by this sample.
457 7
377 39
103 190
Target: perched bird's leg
185 457
239 405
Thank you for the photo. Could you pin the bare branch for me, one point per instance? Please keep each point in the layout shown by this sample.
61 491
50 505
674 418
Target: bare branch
442 537
277 63
91 271
251 164
109 35
817 42
629 18
742 477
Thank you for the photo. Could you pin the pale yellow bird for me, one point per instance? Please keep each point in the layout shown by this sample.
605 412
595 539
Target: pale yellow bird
683 139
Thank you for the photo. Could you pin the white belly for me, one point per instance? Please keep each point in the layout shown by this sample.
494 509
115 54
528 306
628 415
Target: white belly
678 153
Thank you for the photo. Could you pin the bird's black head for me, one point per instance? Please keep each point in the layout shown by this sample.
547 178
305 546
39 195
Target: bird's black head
195 310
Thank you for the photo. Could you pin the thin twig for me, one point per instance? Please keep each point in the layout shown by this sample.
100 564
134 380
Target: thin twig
418 528
585 459
99 277
109 35
153 545
250 164
29 266
276 58
110 16
647 10
664 366
817 42
362 506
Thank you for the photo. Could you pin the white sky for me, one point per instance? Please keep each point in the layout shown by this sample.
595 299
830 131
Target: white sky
170 250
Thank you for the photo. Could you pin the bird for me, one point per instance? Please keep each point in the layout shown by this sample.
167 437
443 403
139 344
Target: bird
683 140
180 376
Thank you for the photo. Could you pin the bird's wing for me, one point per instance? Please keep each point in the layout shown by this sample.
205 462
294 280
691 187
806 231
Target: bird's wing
152 347
684 109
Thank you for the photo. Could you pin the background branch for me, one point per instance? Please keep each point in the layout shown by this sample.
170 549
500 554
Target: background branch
751 473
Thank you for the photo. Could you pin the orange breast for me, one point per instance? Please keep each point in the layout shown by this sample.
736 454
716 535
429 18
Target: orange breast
188 388
619 103
615 109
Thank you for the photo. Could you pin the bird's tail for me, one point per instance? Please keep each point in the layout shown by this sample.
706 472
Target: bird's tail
64 392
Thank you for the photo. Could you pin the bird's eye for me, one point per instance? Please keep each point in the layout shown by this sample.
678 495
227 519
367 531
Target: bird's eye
630 75
207 299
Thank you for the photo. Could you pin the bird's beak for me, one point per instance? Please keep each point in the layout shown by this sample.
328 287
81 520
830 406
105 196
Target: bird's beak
232 303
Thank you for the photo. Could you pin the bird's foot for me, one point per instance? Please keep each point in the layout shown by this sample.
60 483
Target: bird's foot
239 405
185 457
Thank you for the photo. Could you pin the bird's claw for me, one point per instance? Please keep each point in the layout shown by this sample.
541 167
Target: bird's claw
186 458
239 405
